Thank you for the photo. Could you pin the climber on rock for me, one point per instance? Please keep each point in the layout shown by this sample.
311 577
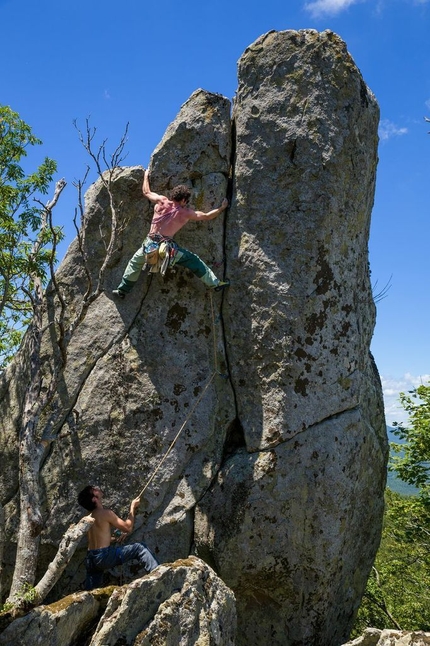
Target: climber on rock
101 554
159 251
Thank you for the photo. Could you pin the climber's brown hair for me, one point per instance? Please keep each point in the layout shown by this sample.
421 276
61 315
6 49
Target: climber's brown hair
179 193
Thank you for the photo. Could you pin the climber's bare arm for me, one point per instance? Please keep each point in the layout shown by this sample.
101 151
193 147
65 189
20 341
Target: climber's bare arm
150 195
210 215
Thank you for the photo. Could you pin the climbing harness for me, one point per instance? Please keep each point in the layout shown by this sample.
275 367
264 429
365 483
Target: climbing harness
159 252
197 402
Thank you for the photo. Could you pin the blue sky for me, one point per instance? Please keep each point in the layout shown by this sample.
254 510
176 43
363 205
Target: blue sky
138 62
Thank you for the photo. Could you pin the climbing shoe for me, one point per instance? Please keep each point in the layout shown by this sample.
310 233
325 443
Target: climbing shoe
222 285
119 293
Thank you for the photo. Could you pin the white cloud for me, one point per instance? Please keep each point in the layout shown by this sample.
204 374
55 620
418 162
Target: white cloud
319 8
392 387
106 94
328 7
388 129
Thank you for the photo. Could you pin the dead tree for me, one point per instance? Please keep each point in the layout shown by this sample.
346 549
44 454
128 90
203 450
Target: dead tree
66 549
36 436
30 449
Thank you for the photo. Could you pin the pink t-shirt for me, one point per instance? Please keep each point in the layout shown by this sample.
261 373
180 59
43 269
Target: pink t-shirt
169 217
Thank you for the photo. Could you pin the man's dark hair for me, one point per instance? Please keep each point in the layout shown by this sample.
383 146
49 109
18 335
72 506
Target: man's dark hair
179 193
85 498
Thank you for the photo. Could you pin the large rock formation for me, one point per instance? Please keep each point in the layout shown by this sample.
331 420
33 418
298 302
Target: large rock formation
292 521
277 478
181 603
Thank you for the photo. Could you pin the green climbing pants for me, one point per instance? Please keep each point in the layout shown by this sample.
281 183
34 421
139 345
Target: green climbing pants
183 258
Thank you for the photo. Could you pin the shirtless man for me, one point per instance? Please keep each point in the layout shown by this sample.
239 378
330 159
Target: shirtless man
101 554
169 217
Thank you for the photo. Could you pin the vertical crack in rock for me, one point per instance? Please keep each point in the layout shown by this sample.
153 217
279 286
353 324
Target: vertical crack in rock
230 197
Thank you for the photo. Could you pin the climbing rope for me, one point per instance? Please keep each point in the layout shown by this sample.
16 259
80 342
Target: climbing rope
197 402
177 435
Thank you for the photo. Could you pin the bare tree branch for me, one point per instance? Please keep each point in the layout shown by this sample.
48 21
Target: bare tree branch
107 178
382 293
66 549
381 604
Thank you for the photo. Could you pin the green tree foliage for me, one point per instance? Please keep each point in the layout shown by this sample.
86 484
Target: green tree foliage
398 590
412 459
21 224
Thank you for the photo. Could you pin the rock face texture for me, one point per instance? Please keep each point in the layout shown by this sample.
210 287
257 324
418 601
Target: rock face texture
375 637
182 603
277 477
284 515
